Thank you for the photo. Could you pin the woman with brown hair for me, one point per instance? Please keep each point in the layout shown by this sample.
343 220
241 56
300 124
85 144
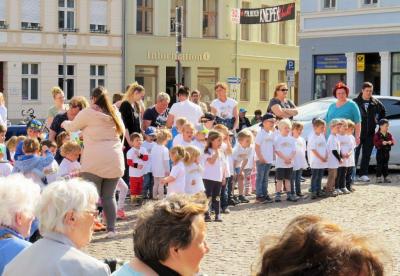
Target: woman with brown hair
280 106
312 246
102 159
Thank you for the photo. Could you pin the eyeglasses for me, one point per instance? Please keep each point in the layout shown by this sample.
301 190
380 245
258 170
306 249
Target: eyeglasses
284 90
76 106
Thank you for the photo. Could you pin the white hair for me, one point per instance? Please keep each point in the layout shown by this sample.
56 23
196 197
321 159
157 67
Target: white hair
285 122
162 96
61 197
17 195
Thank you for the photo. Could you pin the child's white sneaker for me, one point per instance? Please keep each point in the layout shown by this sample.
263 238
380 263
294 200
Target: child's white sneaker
339 192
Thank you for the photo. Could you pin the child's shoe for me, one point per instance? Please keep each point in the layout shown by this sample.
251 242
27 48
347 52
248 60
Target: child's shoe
267 200
278 197
98 226
387 180
218 218
338 191
243 199
291 198
121 215
345 191
314 195
207 218
379 179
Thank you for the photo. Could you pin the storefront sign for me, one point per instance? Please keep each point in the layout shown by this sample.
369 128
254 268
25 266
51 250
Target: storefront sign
330 64
268 15
173 56
360 63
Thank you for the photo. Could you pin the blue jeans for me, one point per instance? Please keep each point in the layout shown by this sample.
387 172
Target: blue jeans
262 179
296 181
316 179
148 183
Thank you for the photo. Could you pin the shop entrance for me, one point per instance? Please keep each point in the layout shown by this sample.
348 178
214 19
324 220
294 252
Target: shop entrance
170 85
372 72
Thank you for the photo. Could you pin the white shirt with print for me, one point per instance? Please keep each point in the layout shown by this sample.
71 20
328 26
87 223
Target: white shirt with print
285 145
224 109
159 154
300 161
318 143
333 144
177 186
194 179
265 139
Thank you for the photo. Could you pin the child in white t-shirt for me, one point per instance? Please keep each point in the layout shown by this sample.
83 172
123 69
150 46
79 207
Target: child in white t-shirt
285 151
264 148
186 138
5 166
160 161
242 154
194 171
201 137
176 131
176 181
69 167
51 171
137 157
149 135
346 151
351 169
317 156
300 161
334 157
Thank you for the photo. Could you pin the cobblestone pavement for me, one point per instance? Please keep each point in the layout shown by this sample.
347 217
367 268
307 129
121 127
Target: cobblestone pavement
373 210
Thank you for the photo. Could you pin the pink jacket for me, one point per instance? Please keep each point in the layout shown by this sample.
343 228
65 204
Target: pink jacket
102 153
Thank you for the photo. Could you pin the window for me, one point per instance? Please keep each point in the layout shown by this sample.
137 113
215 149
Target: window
144 16
30 15
245 28
174 4
264 84
147 76
210 14
66 15
396 74
207 77
30 81
69 90
265 30
281 76
282 32
244 84
98 16
370 2
329 4
3 23
97 76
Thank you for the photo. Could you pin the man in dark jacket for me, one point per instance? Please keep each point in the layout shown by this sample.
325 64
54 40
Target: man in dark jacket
372 111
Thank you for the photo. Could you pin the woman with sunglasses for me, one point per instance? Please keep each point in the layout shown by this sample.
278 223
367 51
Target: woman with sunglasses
280 106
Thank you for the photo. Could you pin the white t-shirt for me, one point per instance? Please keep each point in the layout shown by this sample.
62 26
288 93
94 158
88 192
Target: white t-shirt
251 160
186 109
5 169
347 144
286 145
67 168
177 186
148 146
240 154
201 146
133 154
229 160
194 179
265 139
333 144
51 172
159 154
300 161
318 143
3 115
214 171
224 109
178 141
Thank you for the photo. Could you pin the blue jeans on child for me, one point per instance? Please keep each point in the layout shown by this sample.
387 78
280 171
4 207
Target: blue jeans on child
316 179
295 182
148 185
262 179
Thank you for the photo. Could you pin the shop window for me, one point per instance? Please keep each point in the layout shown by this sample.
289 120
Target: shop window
147 77
281 76
206 80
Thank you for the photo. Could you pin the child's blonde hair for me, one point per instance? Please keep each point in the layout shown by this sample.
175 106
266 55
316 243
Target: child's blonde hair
180 122
69 147
318 122
135 135
60 137
12 143
222 129
351 124
31 146
193 154
245 134
297 125
178 153
335 122
188 126
284 122
163 135
21 138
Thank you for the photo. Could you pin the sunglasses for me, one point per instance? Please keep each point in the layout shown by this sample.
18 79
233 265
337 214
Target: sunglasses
76 106
284 90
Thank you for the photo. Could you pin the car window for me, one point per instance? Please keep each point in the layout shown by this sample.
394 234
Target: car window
392 108
315 109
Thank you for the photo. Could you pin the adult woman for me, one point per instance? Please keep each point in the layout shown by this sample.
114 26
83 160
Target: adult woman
157 115
102 159
66 211
225 109
312 246
280 105
169 238
3 110
344 108
18 198
58 107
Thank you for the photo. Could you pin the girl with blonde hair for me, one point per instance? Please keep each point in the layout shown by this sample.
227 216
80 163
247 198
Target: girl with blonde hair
176 179
194 171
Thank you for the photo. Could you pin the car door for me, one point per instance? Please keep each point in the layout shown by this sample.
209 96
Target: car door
392 107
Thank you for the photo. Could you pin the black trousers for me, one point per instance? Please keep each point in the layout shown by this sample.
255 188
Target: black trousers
366 146
341 178
349 177
213 191
382 163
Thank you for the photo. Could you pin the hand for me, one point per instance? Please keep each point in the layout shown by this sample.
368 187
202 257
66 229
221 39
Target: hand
139 167
166 174
163 182
341 161
287 161
193 182
389 142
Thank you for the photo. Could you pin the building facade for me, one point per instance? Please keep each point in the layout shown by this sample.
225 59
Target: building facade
210 49
32 50
352 41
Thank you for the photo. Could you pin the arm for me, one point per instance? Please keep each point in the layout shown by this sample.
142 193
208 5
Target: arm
49 121
358 133
213 158
316 153
78 123
47 160
52 135
278 111
134 165
259 154
213 110
144 157
167 179
236 116
281 155
166 167
337 155
170 120
377 141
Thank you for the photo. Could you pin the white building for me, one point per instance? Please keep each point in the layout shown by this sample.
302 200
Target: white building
31 50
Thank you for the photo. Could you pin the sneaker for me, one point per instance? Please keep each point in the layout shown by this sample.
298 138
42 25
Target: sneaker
226 210
267 199
236 199
300 194
291 198
243 199
231 202
218 218
339 192
351 189
364 178
260 199
334 193
98 226
387 180
379 179
302 179
314 195
207 218
121 215
278 197
345 191
322 194
111 235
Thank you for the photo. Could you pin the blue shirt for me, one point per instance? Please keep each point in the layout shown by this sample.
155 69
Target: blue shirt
347 111
126 270
10 247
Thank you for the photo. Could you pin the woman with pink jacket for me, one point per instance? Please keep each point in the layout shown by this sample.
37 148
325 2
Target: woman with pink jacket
102 159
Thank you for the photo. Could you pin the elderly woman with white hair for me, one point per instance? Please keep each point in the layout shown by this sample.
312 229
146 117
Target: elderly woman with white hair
18 197
66 212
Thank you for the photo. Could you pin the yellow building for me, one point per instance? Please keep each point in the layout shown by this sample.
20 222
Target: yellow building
209 48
